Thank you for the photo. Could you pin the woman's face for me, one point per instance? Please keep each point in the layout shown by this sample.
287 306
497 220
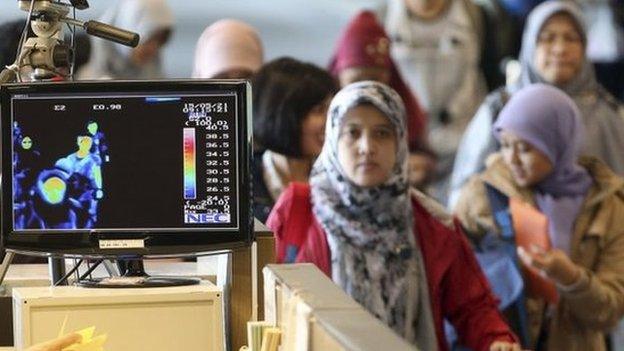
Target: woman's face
53 190
527 164
313 130
367 146
26 143
560 52
357 74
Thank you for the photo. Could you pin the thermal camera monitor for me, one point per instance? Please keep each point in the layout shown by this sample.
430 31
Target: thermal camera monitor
125 161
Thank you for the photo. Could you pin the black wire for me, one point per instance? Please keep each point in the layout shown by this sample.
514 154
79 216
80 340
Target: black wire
68 274
90 270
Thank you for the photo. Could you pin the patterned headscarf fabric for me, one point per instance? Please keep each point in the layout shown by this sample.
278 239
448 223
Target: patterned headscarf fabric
364 43
227 44
374 254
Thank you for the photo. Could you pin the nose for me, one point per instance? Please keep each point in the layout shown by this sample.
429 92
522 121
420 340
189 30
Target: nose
366 144
514 158
559 46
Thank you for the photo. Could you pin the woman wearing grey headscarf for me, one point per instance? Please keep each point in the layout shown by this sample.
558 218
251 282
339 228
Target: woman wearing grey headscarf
153 21
388 246
553 52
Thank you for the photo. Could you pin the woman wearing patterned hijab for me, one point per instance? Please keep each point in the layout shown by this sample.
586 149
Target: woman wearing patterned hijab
553 52
388 246
541 133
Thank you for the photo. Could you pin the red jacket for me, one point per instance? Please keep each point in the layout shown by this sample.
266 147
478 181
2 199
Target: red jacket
458 289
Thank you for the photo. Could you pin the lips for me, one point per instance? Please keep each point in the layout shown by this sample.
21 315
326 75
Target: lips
518 173
367 165
560 63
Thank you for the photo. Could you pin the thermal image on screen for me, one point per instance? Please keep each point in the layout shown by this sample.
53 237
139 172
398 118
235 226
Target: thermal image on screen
124 161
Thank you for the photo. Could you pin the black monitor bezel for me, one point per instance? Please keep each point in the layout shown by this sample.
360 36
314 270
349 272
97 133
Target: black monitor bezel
157 242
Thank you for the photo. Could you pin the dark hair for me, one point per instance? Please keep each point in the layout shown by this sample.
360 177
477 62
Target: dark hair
10 32
284 92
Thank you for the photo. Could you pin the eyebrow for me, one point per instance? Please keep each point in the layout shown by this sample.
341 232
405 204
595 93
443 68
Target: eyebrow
384 125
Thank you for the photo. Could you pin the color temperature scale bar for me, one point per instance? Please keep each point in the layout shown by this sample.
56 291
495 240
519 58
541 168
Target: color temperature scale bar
190 172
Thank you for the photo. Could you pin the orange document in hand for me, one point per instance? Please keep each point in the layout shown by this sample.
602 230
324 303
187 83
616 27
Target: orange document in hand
531 228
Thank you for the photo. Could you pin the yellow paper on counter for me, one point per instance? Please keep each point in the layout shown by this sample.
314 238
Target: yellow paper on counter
88 342
86 333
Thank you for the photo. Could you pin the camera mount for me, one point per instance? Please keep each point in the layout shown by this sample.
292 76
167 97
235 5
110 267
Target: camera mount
45 55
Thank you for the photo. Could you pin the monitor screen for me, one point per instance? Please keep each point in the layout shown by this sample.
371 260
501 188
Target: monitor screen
137 167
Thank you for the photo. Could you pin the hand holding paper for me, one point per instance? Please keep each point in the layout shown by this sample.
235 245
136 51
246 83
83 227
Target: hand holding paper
554 263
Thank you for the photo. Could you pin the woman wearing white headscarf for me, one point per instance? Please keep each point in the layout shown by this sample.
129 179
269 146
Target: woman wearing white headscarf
153 21
388 246
553 52
228 49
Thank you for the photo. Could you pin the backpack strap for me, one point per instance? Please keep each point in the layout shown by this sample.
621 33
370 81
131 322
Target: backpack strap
499 204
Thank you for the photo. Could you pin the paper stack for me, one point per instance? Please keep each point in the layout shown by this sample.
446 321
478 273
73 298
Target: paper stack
255 332
271 339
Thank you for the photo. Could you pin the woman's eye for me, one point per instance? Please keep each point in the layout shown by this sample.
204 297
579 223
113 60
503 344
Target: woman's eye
352 133
546 38
384 133
572 38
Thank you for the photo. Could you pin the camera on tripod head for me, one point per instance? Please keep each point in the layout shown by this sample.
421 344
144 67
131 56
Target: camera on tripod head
46 55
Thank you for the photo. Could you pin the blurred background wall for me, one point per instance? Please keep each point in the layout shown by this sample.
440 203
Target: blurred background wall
304 29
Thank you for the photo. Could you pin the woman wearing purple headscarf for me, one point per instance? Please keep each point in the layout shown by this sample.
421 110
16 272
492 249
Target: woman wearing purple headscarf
541 132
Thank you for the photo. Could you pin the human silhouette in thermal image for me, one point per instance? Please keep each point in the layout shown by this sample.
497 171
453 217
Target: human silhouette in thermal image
17 140
17 133
85 180
27 164
100 146
49 205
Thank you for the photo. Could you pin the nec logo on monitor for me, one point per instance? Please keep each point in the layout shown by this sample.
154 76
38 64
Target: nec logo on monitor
199 218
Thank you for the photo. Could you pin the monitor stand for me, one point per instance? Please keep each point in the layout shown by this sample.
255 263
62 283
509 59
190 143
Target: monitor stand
135 277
